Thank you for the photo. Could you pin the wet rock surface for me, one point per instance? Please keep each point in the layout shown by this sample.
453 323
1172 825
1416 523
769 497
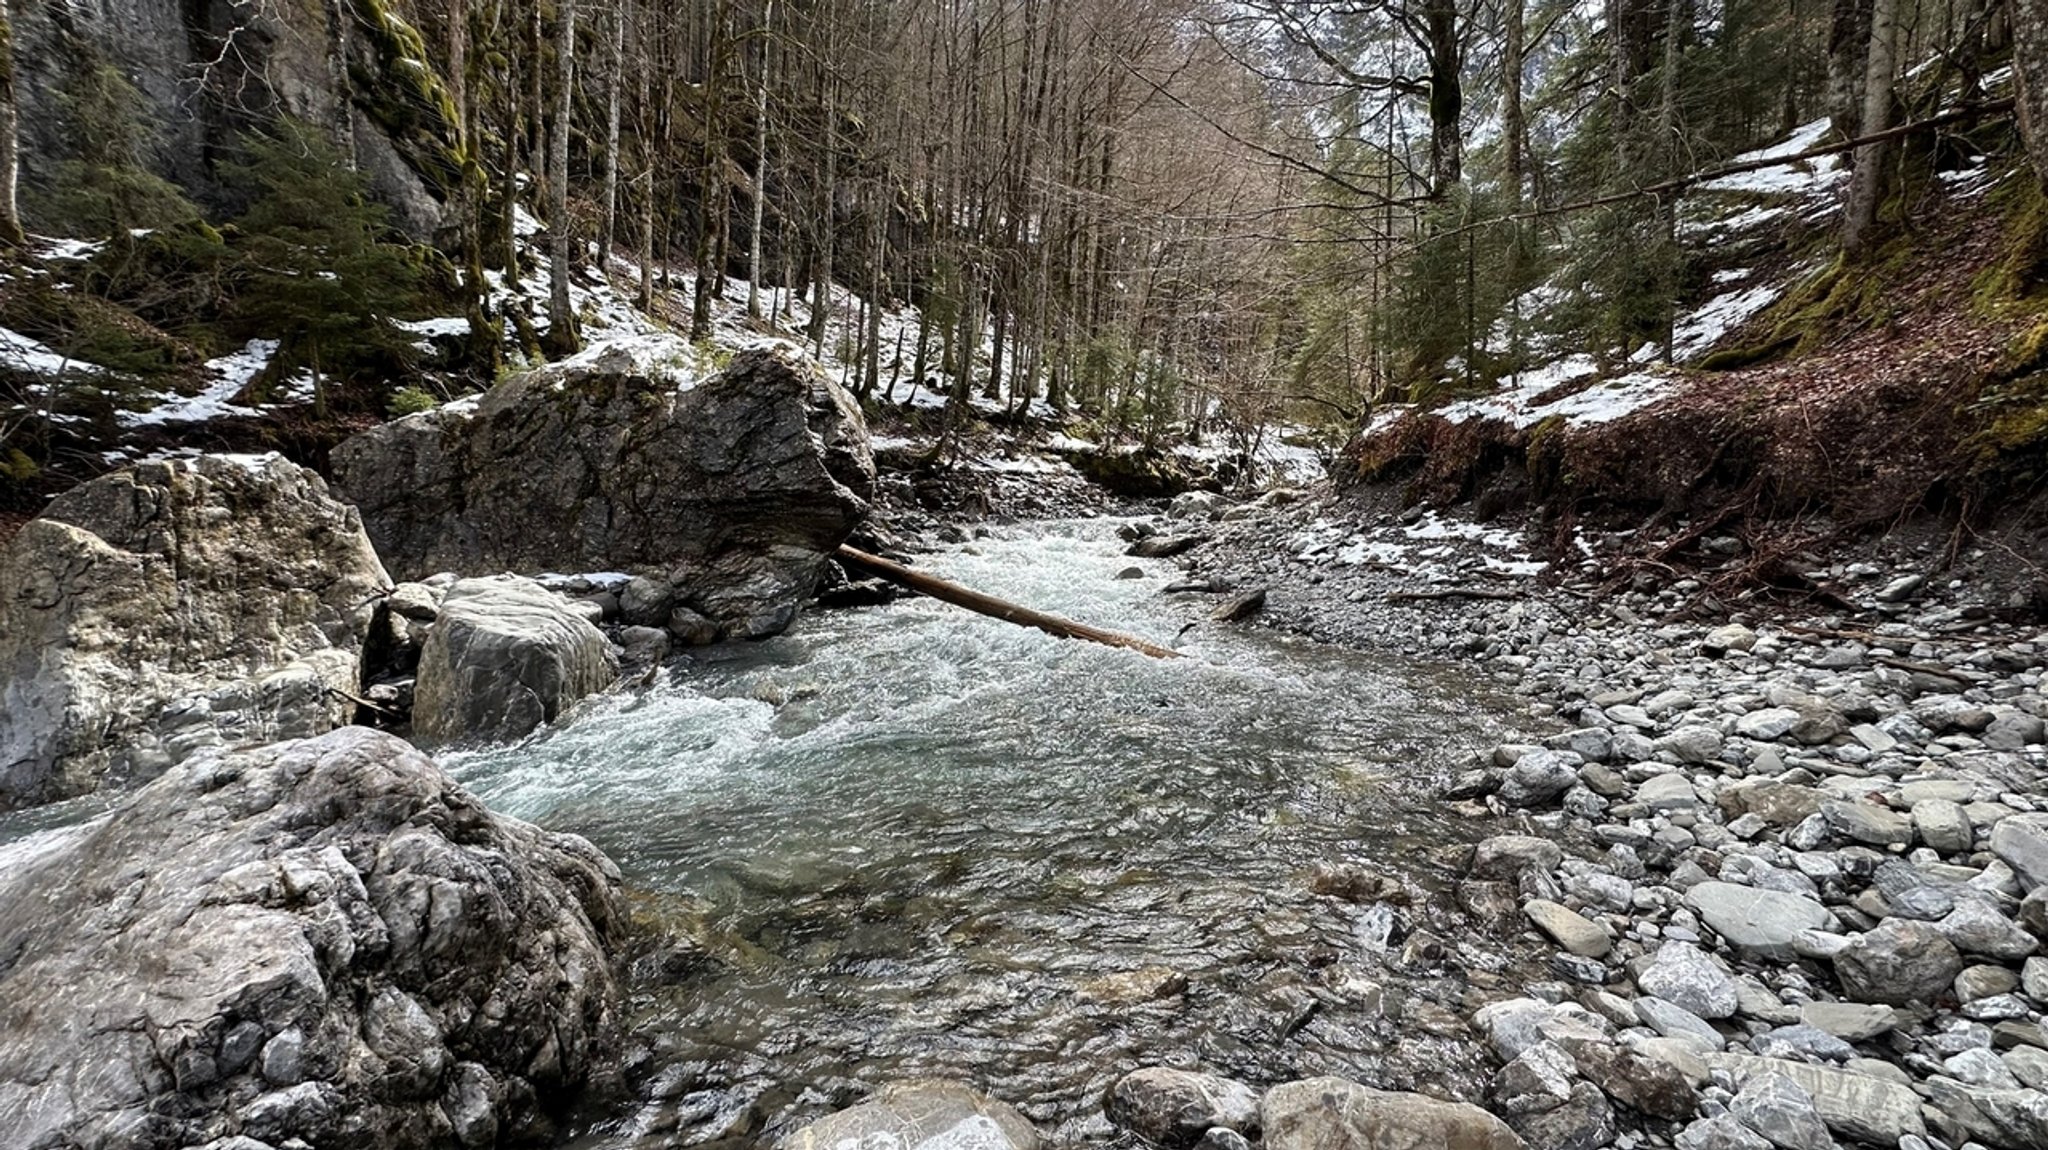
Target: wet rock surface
322 942
174 606
502 657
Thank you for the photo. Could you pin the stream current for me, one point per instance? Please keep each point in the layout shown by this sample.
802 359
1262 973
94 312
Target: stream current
909 841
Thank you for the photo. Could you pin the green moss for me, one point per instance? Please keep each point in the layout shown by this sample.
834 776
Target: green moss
2019 280
1735 358
399 90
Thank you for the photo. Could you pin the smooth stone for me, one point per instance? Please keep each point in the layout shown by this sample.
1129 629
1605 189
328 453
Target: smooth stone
1760 922
1571 930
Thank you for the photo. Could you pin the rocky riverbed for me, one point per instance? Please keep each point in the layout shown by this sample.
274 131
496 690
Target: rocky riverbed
1792 870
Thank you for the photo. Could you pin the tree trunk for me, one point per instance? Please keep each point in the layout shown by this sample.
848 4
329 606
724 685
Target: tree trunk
561 314
2030 63
760 169
1446 97
1848 51
993 607
10 219
1866 183
711 175
614 82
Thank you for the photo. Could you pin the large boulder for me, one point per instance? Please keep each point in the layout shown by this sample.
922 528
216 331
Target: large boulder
1326 1112
171 606
325 939
504 656
734 487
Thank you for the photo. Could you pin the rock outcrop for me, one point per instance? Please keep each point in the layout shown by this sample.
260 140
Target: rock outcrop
202 69
733 488
504 656
171 606
324 940
1324 1112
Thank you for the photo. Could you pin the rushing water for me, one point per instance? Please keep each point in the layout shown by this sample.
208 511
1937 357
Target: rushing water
910 841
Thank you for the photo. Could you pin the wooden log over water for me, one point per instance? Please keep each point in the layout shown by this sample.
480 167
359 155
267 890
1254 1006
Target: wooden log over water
993 607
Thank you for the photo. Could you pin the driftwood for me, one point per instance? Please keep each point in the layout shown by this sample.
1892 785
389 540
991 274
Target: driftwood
993 607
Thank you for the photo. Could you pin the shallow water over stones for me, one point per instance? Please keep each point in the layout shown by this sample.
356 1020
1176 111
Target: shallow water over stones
908 841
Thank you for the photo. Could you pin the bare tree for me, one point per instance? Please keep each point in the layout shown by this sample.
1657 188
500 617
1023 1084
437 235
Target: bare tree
1866 183
562 336
10 219
2029 19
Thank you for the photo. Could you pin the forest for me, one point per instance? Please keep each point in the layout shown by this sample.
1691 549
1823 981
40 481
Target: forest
1159 215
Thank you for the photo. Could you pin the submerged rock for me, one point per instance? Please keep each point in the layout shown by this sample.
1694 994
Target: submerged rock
1175 1108
734 488
505 656
325 940
171 606
921 1116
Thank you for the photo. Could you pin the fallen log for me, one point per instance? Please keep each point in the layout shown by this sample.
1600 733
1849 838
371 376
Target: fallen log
993 607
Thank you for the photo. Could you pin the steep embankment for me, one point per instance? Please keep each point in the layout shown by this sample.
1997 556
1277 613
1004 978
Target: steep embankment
1806 385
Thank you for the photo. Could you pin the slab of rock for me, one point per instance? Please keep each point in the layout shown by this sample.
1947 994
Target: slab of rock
506 656
1572 930
735 488
1783 1112
172 606
1849 1021
324 939
1760 922
1319 1113
923 1115
2021 842
1898 962
1867 823
1852 1105
1668 792
1688 977
1175 1108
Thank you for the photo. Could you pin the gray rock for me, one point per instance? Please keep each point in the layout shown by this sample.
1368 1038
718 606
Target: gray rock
1759 922
2034 977
1319 1113
1690 978
1767 724
1669 792
1572 930
1853 1105
1223 1139
2013 731
140 600
2021 842
1944 825
737 487
1726 638
1808 1043
1849 1021
2005 1118
923 1115
1976 927
1897 963
1538 778
1867 823
1721 1132
1655 1086
506 656
1508 856
1782 1111
1175 1108
1584 1122
339 894
1673 1022
1539 1078
1692 744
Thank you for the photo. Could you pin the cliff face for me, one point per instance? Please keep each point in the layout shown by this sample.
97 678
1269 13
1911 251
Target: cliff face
208 70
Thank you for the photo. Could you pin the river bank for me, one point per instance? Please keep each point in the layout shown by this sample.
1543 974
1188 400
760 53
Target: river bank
1792 870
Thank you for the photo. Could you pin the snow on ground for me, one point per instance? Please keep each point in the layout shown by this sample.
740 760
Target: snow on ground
1432 549
230 374
20 353
1697 333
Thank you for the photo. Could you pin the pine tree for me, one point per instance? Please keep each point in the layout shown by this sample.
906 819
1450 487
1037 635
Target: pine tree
314 267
